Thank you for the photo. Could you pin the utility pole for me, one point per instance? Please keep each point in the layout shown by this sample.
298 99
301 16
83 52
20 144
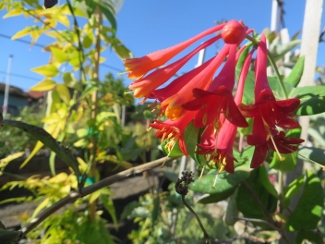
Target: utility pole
6 95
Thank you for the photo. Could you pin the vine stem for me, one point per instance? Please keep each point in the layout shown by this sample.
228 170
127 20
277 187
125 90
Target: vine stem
94 108
206 235
278 75
73 196
268 216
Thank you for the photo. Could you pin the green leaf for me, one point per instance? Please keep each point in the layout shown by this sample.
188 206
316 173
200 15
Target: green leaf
277 89
63 92
310 206
240 62
108 12
9 236
225 182
48 70
232 210
88 90
255 200
264 179
280 50
191 136
296 73
291 190
312 99
248 97
213 198
87 41
190 139
109 206
43 136
156 209
175 152
122 51
310 235
312 153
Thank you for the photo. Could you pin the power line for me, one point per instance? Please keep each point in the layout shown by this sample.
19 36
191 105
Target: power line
22 41
21 76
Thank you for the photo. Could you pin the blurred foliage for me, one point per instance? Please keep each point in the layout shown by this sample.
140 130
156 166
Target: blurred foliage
8 135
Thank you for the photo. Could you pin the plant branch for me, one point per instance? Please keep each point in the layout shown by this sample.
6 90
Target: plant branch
267 215
73 196
275 68
206 235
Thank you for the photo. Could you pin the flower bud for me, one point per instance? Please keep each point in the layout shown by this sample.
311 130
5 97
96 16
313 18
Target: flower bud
234 32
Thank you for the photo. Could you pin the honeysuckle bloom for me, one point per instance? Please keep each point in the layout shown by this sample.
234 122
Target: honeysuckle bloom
218 144
218 98
146 84
268 114
173 130
137 67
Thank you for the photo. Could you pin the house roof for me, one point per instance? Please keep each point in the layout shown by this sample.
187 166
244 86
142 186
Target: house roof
36 94
13 90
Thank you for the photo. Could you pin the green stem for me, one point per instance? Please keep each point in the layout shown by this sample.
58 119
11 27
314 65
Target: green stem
206 235
278 75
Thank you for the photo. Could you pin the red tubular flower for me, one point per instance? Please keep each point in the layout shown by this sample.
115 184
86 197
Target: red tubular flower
218 145
145 85
174 103
173 130
267 113
138 67
218 99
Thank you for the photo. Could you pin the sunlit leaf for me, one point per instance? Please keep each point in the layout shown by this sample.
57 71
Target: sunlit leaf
59 55
296 73
44 85
21 33
312 99
48 70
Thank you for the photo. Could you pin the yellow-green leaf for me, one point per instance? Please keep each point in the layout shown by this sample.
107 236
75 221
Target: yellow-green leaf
9 158
37 147
13 12
21 33
44 85
63 92
63 19
48 70
59 55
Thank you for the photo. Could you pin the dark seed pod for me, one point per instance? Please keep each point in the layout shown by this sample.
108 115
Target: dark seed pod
50 3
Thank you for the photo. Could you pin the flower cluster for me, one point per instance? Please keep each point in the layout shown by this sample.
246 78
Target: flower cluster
205 97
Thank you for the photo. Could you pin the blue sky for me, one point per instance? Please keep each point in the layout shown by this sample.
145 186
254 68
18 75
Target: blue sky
145 26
